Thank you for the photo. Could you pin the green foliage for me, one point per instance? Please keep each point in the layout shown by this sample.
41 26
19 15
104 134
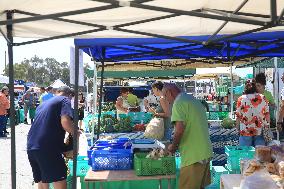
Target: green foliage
41 71
228 123
123 125
110 124
108 106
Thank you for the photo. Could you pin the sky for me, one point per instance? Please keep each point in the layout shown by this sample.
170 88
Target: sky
60 50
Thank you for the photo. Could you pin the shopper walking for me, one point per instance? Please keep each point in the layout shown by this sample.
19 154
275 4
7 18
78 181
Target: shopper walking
4 105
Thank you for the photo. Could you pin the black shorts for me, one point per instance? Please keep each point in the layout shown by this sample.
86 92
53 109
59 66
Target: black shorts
47 167
81 114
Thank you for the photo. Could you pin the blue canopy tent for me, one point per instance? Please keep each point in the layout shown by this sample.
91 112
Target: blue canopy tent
263 44
224 52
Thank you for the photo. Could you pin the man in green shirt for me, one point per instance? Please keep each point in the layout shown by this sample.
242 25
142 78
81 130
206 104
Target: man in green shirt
191 137
260 80
132 99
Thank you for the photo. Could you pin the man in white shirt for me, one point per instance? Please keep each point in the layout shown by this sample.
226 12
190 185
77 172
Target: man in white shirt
151 101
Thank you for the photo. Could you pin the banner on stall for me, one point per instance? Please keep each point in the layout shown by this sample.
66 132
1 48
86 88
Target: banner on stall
72 67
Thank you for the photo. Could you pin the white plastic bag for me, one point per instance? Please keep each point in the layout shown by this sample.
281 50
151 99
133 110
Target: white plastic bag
259 180
155 129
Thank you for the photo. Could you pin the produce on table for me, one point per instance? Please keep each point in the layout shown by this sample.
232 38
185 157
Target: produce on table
158 153
139 127
268 160
228 123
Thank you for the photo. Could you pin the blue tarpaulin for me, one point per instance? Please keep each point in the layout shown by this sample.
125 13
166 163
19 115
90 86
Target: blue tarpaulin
260 44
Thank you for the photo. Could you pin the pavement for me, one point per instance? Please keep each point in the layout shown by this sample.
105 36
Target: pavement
24 177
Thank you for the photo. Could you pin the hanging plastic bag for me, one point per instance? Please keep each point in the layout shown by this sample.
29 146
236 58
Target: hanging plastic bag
259 180
155 129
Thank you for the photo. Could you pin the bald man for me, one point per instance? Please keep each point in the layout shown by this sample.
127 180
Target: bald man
191 137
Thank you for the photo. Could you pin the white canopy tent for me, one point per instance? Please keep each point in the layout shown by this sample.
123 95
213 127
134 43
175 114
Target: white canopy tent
57 83
181 17
4 79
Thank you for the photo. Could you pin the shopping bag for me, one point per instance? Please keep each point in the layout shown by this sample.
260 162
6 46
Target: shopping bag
155 129
68 146
267 134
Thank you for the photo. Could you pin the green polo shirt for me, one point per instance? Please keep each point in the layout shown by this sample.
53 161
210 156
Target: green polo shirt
132 99
269 97
195 144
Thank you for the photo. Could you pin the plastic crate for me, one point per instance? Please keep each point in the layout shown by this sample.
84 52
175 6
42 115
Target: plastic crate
236 154
232 171
82 166
145 167
213 107
213 116
224 108
119 143
223 115
178 162
112 159
68 180
216 173
213 186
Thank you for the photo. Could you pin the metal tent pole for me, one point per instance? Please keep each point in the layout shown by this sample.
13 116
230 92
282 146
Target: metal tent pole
95 88
87 91
12 106
232 90
95 96
101 93
75 134
276 91
232 81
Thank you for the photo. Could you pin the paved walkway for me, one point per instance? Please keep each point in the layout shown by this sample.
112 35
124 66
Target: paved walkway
23 169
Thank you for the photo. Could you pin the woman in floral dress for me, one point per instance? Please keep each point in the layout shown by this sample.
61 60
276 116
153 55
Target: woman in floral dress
252 116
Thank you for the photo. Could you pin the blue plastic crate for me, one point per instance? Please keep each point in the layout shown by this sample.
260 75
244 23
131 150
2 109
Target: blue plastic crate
143 141
82 166
112 159
119 143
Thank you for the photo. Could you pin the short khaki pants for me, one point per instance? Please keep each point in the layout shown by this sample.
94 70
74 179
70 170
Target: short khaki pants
195 176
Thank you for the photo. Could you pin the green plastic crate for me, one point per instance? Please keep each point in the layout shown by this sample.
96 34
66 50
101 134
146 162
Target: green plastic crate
236 154
82 166
223 115
232 171
216 173
145 166
213 186
213 116
68 180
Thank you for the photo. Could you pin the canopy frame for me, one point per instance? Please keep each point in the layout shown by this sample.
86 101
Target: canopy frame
235 16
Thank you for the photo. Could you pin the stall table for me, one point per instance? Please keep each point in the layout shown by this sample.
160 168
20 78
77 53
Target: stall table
121 175
231 181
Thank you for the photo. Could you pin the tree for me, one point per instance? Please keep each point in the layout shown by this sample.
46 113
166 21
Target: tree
43 71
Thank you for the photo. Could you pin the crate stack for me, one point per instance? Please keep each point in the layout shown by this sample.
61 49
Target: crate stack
221 138
234 156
